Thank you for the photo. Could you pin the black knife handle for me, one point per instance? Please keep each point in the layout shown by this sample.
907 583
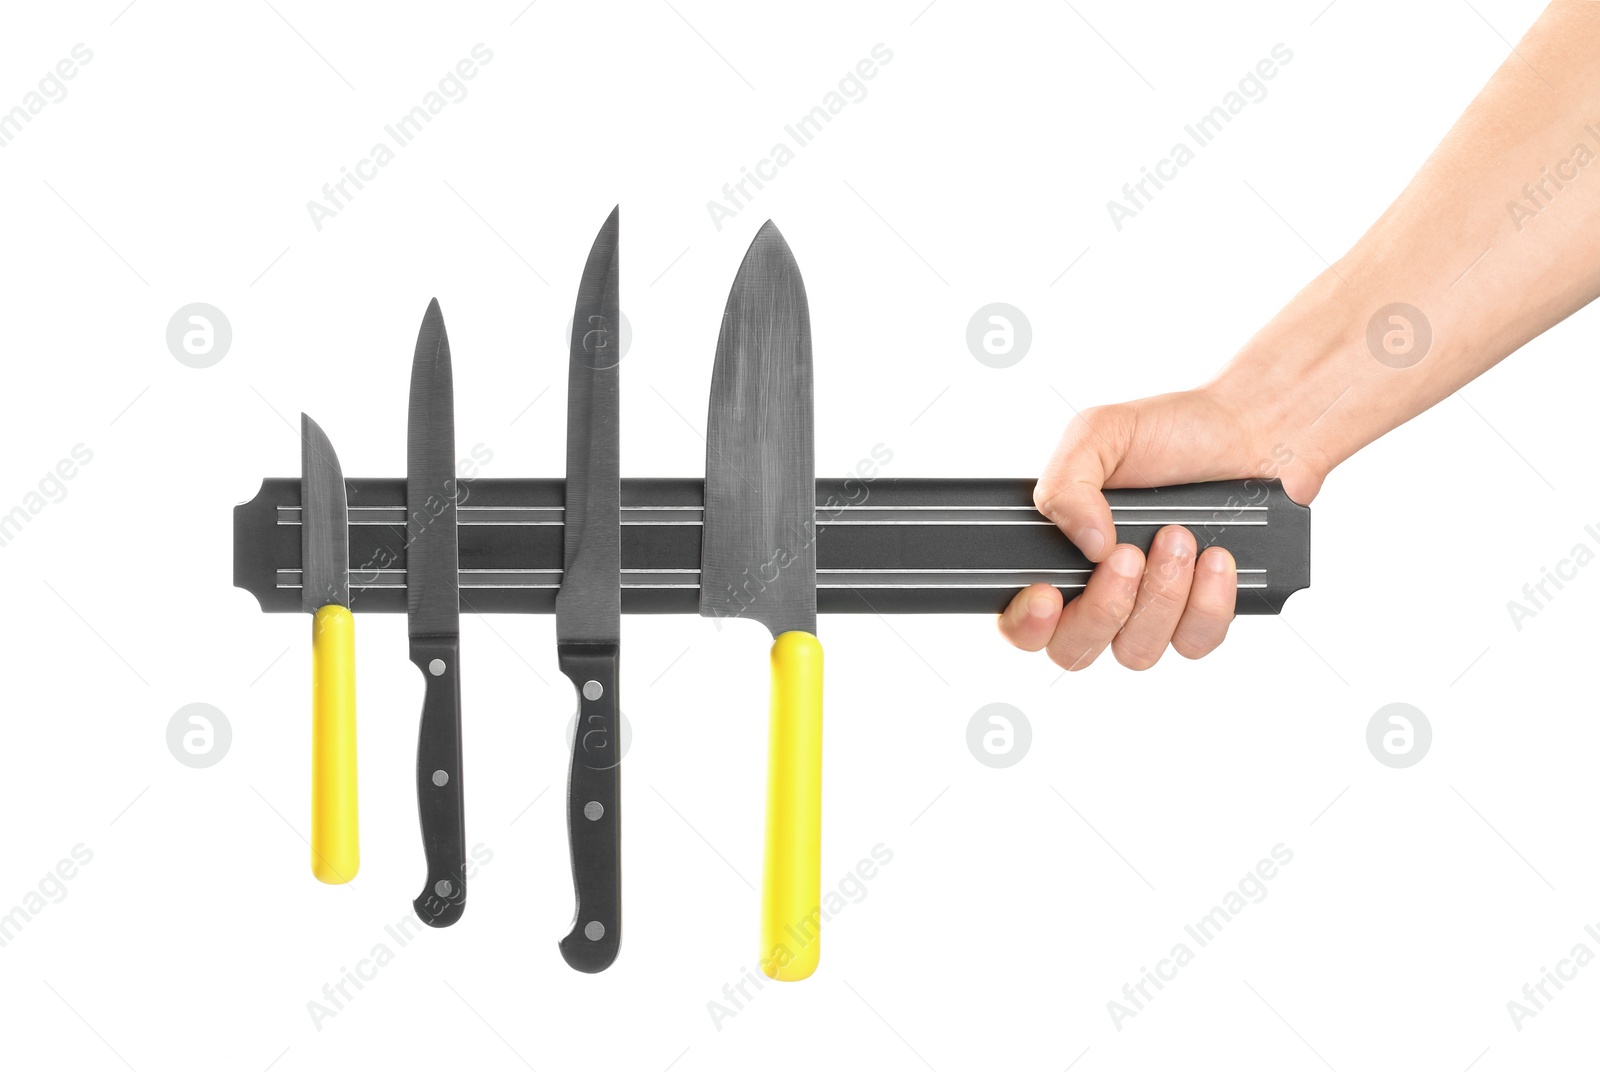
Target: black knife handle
439 801
594 828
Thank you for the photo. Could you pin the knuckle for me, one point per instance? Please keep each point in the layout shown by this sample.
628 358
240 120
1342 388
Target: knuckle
1094 418
1163 594
1135 655
1071 656
1195 640
1214 605
1101 423
1107 614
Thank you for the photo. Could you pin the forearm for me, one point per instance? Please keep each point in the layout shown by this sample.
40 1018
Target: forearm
1485 277
1466 275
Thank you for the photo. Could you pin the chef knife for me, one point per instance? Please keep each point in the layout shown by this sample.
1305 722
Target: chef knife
758 560
589 609
434 620
325 594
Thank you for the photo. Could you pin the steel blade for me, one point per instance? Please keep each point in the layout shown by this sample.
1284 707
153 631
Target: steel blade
432 561
758 545
589 605
324 522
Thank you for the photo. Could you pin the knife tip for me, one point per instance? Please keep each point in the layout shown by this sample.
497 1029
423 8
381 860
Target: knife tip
432 323
767 249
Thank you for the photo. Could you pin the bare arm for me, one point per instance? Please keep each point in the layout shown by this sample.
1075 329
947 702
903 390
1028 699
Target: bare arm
1496 239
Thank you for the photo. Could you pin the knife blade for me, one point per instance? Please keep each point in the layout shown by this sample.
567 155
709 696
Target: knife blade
589 609
759 561
325 595
433 623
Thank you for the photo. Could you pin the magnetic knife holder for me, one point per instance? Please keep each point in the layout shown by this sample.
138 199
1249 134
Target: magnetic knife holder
884 546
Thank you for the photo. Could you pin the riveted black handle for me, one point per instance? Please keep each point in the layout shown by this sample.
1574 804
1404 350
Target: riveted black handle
439 799
594 828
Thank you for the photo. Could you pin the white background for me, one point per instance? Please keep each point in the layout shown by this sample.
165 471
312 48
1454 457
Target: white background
976 169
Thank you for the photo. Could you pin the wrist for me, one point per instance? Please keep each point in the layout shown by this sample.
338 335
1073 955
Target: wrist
1293 387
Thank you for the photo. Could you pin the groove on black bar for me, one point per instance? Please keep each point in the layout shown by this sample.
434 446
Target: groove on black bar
905 546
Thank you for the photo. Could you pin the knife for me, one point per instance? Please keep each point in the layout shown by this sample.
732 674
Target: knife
325 594
434 620
589 610
759 560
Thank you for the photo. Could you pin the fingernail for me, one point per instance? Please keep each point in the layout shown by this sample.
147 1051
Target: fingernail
1089 541
1218 562
1125 563
1175 541
1041 607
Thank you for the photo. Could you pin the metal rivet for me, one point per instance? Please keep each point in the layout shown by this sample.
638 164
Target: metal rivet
443 887
436 667
441 777
594 930
593 810
593 690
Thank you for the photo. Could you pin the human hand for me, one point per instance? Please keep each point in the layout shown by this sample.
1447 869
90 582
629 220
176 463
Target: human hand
1311 388
1135 603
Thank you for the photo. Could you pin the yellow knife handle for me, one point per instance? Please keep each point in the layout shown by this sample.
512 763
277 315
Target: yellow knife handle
791 878
335 840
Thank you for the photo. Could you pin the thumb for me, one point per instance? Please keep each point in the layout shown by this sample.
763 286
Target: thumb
1068 493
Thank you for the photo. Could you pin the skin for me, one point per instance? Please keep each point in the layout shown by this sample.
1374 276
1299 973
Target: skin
1308 391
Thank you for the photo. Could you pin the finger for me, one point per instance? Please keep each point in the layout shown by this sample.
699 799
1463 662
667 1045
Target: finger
1168 574
1031 618
1089 622
1211 602
1068 493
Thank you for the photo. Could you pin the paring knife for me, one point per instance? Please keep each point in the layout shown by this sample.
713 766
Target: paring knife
434 620
325 594
759 560
589 610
